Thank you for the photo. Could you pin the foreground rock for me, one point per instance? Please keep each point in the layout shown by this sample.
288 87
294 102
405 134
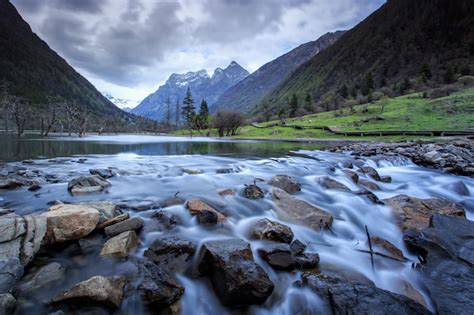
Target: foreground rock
70 222
236 278
21 237
156 285
44 278
11 271
447 268
103 172
120 245
87 184
132 224
7 304
279 256
415 213
97 291
285 182
347 297
114 220
172 252
272 231
107 210
300 211
197 207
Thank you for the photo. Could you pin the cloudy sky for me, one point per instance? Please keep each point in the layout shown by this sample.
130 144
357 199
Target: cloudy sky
129 47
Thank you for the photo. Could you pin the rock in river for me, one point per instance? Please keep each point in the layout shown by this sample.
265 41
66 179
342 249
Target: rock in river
97 291
87 184
272 231
7 304
415 213
279 256
120 245
301 211
172 251
123 226
236 278
103 172
11 271
67 222
285 182
330 183
347 297
196 207
253 192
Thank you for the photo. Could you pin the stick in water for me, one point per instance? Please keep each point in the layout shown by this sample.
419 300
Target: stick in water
370 247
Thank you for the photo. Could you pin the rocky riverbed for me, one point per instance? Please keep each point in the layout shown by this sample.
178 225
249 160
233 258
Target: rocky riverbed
314 232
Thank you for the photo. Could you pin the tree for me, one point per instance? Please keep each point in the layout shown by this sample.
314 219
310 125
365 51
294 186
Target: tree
168 113
404 86
228 122
188 111
448 76
202 118
178 112
266 111
425 72
344 91
20 112
383 103
353 91
293 105
281 114
4 102
368 85
308 103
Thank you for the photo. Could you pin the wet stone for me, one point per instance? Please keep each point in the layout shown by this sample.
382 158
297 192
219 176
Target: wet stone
279 256
272 231
103 172
172 252
285 182
253 192
330 183
166 219
126 225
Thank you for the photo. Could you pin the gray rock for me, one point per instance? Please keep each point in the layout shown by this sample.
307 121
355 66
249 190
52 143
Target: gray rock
352 175
11 227
103 172
107 210
330 183
166 219
279 256
86 184
36 226
120 245
236 278
371 172
43 279
272 231
7 304
285 182
253 192
127 225
307 261
100 291
301 211
346 297
172 252
297 247
11 271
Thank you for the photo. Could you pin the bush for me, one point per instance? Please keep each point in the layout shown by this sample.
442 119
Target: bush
466 80
228 122
441 92
377 96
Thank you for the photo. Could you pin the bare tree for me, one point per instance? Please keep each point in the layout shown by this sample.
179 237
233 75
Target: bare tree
20 112
228 122
4 102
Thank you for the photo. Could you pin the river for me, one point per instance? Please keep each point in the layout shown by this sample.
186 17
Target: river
152 169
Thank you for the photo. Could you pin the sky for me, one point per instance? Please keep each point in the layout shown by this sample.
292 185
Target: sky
128 48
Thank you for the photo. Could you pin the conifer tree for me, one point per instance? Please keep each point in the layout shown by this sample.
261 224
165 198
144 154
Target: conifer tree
188 111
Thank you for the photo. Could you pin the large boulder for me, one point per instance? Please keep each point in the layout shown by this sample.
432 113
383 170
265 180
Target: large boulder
67 222
132 224
301 211
415 213
236 278
36 226
44 278
279 256
11 271
107 210
197 207
156 285
265 229
343 297
87 184
172 252
447 251
96 291
285 182
120 245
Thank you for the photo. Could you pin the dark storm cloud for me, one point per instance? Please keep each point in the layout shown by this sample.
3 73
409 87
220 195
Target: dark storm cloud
122 41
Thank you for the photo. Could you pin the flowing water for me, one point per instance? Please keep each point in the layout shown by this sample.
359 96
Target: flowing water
152 171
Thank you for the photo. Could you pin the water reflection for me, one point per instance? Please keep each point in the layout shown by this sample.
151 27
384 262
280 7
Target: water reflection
33 146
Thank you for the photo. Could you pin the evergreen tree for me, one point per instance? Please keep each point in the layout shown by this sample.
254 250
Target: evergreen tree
344 91
404 86
178 110
308 103
168 113
203 109
425 72
368 85
353 91
449 76
188 110
293 105
202 118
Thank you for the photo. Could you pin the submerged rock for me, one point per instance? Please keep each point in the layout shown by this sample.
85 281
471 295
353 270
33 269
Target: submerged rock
307 260
166 219
196 207
447 251
87 184
279 256
372 172
120 245
253 192
172 252
300 211
285 182
272 231
352 175
415 213
11 271
44 278
96 291
387 247
236 278
330 183
67 222
103 172
11 184
134 224
226 192
297 247
368 184
347 297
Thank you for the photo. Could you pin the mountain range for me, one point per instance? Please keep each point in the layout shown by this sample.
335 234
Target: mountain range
202 85
35 72
248 93
394 44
